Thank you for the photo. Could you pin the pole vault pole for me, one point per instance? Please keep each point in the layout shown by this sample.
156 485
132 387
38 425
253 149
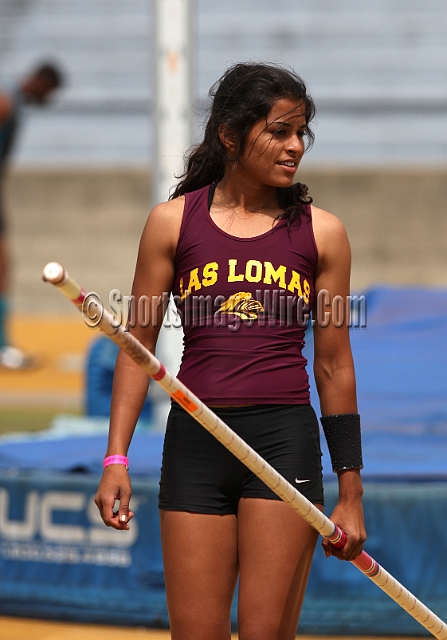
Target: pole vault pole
96 316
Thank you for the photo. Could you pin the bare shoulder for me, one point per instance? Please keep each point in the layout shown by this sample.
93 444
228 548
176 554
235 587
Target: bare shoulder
170 212
325 223
329 231
164 222
158 245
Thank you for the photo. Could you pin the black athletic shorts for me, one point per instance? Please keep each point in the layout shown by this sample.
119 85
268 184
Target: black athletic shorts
200 475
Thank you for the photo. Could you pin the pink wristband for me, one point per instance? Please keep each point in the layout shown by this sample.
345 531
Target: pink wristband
116 460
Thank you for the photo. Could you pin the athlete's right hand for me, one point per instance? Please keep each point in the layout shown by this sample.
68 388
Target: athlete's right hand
115 485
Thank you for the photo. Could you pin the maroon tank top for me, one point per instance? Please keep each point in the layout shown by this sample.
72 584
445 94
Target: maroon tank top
244 304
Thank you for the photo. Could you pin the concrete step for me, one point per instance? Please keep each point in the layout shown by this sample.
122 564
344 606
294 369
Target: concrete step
91 222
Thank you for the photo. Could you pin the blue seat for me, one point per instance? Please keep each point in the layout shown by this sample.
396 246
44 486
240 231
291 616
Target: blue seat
100 366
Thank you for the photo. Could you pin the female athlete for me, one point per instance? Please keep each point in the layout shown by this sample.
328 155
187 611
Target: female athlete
248 259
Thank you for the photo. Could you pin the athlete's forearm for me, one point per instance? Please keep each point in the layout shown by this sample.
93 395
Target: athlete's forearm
336 388
130 385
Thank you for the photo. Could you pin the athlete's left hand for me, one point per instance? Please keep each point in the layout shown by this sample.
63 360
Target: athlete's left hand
348 515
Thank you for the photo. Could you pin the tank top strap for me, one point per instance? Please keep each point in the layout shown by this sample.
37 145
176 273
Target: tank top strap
193 220
196 204
306 219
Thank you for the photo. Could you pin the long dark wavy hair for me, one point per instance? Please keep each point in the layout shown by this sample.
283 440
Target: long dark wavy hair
242 96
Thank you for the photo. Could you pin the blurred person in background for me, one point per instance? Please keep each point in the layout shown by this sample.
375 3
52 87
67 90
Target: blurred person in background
34 89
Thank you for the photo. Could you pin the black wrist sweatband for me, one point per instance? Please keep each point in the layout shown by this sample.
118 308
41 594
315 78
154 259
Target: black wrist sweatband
344 440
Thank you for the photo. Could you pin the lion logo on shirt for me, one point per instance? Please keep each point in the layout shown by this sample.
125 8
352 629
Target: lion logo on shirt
242 304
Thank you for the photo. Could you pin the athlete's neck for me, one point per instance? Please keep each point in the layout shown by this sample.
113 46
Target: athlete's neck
239 192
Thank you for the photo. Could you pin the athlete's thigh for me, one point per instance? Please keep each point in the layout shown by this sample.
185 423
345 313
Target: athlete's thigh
275 553
200 564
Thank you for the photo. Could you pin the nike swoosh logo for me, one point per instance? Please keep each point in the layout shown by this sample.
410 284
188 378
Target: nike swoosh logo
299 481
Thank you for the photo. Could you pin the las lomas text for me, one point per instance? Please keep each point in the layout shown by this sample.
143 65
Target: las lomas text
253 271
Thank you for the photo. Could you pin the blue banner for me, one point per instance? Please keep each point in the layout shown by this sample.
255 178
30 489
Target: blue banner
58 560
